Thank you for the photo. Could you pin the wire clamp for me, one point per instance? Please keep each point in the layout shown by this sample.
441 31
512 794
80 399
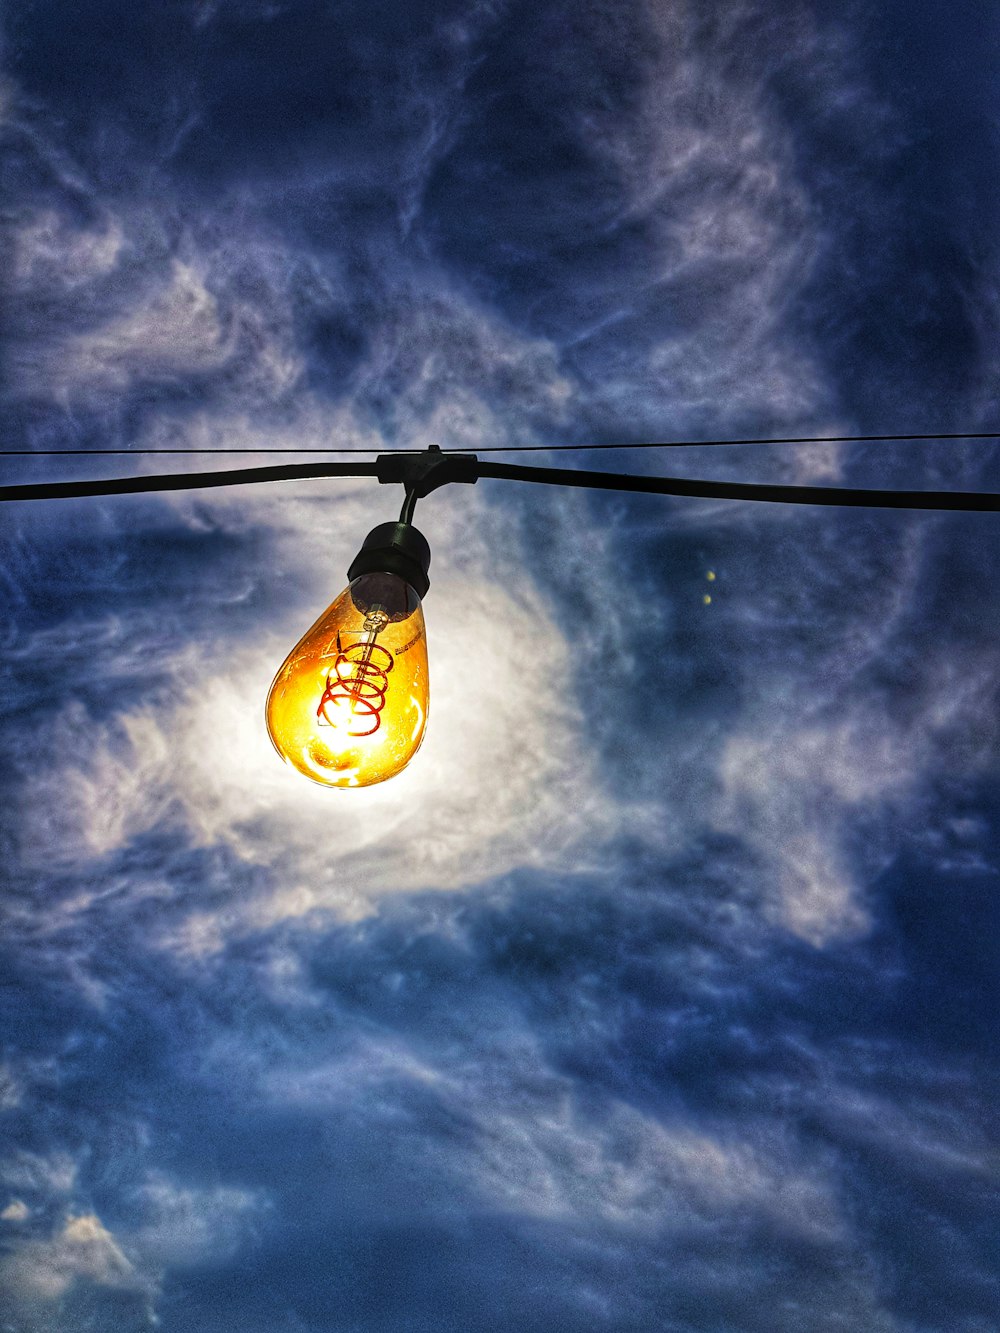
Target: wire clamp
425 471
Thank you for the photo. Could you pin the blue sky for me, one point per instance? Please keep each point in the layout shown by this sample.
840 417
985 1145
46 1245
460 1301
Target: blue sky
658 993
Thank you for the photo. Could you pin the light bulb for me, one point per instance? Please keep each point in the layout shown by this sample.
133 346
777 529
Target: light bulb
349 704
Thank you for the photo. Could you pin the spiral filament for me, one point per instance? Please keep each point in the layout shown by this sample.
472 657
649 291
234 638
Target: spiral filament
355 690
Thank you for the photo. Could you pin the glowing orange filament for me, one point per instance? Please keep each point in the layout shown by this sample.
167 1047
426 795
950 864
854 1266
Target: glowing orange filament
359 680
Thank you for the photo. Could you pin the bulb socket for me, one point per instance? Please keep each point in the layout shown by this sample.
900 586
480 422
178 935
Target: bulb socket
395 548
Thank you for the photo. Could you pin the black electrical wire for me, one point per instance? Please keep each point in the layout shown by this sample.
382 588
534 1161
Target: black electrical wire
471 469
740 490
184 481
527 448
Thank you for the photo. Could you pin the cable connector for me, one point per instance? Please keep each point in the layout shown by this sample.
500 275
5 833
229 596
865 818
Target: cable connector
425 471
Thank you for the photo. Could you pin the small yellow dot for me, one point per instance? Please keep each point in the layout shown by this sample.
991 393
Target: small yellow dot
711 576
707 600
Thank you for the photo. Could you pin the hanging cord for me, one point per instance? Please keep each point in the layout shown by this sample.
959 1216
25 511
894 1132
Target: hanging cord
409 505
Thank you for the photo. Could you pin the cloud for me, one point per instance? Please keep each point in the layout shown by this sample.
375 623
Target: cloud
527 1142
81 1250
144 306
799 790
10 1088
733 236
178 332
630 1170
47 1176
51 256
189 1227
61 1261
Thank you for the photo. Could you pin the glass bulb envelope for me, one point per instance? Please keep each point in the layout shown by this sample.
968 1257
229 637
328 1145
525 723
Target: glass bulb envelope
349 704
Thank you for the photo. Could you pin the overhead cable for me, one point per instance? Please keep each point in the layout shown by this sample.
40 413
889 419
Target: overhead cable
516 448
468 468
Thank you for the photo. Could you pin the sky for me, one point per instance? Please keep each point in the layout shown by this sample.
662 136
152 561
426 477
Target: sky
658 994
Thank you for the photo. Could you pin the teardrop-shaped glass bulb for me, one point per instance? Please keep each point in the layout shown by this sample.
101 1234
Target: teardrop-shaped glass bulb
349 706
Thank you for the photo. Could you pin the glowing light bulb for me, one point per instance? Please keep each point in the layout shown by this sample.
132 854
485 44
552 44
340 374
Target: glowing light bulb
349 704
